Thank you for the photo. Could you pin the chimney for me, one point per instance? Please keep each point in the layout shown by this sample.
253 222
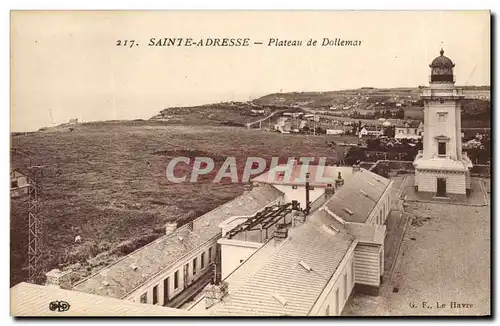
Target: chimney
190 225
247 188
214 293
329 190
280 234
308 203
59 279
298 218
170 227
339 181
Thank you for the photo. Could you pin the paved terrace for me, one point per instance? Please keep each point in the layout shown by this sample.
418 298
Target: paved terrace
444 257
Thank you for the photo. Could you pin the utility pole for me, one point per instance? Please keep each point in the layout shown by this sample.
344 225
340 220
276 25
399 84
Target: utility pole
35 232
35 217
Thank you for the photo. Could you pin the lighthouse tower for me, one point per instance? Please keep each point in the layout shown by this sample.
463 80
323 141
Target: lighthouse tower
441 168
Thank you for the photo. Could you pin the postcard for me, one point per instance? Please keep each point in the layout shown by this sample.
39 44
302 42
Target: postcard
250 163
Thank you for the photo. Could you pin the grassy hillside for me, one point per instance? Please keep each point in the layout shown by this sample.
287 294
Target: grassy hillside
106 182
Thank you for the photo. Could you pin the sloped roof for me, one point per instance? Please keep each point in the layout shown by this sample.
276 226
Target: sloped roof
167 250
282 275
371 233
32 300
243 272
358 196
371 128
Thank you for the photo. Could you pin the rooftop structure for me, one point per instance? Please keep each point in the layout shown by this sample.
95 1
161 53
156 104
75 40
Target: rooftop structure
121 278
295 174
282 276
289 278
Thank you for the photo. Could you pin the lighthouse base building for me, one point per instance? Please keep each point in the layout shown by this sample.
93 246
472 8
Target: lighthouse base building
441 168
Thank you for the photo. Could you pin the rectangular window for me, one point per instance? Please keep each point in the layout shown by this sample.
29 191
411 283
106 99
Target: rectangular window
209 255
155 294
176 280
144 298
441 148
202 260
441 117
337 303
194 266
14 184
346 293
165 290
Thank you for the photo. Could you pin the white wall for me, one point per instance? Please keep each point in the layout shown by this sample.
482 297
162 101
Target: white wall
327 304
448 128
367 264
455 182
233 253
299 193
381 210
179 266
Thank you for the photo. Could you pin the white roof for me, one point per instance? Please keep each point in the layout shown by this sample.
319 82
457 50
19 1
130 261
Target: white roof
32 300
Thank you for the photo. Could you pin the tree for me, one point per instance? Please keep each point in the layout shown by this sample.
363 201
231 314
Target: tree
399 114
390 131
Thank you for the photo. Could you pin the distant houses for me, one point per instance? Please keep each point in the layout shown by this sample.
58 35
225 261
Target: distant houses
18 183
409 130
335 131
255 111
370 131
283 125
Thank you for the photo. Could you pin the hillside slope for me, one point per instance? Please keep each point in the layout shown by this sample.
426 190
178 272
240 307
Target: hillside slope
106 182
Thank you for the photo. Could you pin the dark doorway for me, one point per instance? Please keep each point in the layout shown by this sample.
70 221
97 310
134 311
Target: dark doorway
441 187
165 290
441 148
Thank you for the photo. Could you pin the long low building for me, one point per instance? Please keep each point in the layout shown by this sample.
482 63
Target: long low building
176 266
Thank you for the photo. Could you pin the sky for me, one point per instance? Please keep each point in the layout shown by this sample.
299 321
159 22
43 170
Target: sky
66 64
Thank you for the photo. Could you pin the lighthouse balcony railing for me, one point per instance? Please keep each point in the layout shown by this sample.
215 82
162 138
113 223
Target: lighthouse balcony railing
456 92
441 78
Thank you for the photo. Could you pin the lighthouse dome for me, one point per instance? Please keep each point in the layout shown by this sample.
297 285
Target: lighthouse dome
442 61
442 69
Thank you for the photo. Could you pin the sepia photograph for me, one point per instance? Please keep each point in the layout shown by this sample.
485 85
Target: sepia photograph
250 163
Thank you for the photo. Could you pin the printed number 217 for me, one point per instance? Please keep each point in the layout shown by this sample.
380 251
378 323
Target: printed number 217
129 43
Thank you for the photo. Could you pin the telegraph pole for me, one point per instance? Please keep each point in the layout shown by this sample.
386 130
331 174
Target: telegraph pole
35 232
35 219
